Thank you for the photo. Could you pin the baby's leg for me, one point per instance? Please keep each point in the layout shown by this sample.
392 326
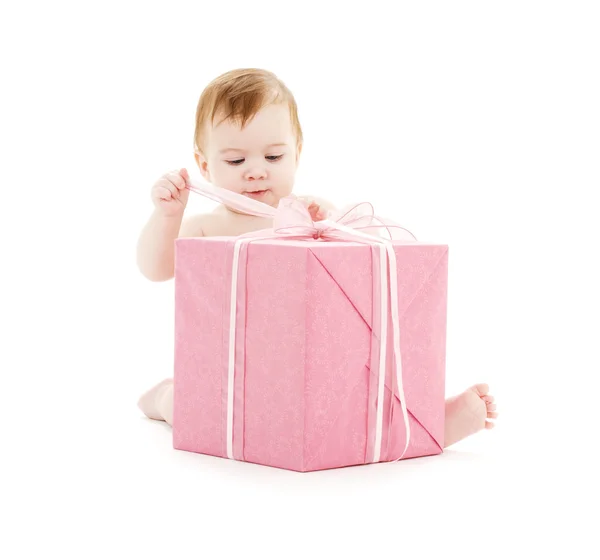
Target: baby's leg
466 413
157 403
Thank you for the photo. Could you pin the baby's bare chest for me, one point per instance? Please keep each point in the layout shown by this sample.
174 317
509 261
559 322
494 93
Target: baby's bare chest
218 225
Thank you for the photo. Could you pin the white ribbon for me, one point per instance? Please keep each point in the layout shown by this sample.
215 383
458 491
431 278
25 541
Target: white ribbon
386 248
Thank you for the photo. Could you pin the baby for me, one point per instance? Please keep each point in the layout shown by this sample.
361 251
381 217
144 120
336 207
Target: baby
248 140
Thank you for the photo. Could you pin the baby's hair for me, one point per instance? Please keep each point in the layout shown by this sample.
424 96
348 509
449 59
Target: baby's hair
238 95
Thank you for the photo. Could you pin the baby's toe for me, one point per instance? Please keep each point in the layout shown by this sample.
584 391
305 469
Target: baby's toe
488 399
481 389
489 425
492 415
490 406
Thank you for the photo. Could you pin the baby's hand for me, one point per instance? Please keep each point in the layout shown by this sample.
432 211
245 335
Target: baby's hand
315 211
169 194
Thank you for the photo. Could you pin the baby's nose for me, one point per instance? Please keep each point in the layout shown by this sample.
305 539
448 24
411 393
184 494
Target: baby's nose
256 173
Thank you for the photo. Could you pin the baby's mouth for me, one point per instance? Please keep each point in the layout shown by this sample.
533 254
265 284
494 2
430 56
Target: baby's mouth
257 193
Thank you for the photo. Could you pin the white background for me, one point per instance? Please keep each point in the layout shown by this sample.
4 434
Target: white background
475 124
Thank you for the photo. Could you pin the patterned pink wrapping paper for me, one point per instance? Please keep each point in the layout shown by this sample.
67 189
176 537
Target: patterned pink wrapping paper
305 393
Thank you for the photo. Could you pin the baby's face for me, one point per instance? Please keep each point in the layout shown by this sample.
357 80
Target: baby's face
259 161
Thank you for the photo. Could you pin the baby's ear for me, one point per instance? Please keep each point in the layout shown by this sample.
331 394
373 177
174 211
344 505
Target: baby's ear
202 164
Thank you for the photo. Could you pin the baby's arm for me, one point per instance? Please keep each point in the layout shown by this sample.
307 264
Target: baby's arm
156 247
156 244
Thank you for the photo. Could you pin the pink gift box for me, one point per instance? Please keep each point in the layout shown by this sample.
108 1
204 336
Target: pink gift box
306 389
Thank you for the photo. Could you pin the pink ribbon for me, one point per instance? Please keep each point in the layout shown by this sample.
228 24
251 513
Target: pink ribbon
291 220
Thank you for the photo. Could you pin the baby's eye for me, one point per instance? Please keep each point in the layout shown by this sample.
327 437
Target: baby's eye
241 160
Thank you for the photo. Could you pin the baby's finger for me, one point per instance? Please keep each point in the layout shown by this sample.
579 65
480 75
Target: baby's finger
316 211
174 190
164 193
172 193
177 180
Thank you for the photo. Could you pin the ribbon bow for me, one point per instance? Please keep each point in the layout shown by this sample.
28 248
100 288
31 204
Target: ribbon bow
293 218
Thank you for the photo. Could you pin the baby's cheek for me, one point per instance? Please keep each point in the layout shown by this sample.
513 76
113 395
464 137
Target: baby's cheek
286 176
225 178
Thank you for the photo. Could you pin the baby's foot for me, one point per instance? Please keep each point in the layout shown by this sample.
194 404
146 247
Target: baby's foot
152 402
468 412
